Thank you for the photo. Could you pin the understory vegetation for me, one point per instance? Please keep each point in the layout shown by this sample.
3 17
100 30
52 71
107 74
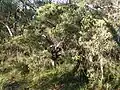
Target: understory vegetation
88 39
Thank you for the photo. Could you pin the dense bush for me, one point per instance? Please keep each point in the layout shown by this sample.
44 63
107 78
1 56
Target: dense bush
89 53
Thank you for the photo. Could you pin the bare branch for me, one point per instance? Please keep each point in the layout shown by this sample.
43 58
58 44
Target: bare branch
7 28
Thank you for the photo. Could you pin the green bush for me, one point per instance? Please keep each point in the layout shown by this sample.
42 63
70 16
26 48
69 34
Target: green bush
90 54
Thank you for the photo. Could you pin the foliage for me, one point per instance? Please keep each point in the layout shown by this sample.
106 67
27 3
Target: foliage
89 52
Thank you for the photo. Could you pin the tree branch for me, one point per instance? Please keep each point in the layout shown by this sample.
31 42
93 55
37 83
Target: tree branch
7 28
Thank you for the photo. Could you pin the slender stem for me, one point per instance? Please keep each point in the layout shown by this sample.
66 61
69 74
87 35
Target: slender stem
101 67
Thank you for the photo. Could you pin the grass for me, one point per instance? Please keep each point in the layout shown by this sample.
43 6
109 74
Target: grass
59 78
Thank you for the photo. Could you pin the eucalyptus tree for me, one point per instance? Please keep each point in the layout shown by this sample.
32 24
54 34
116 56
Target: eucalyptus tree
7 11
14 14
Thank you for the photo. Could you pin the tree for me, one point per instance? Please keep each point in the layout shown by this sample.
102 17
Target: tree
15 14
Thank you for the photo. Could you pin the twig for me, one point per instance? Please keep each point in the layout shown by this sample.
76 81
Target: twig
101 67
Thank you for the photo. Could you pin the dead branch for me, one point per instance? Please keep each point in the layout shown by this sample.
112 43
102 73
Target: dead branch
7 28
